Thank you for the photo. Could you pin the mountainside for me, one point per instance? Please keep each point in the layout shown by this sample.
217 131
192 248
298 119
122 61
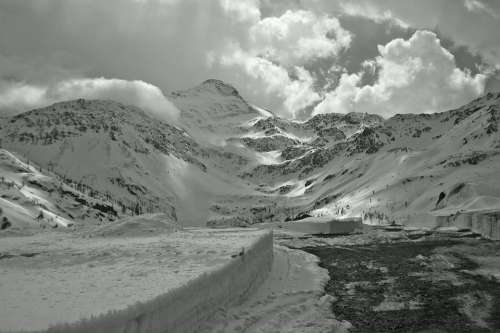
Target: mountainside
231 163
386 171
118 152
33 197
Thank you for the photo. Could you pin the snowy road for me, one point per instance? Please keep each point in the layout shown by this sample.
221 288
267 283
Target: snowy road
290 300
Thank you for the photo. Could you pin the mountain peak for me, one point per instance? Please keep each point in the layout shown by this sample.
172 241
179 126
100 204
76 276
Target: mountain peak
219 86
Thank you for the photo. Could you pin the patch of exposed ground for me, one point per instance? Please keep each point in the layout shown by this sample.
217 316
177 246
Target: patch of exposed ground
412 286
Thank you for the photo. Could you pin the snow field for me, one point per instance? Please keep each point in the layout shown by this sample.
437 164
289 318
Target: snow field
168 283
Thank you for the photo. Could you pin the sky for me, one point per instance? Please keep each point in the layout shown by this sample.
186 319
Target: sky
297 58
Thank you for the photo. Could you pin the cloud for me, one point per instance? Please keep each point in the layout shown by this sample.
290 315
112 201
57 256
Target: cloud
273 54
176 44
297 37
243 10
163 42
368 10
414 76
471 23
18 97
477 6
272 79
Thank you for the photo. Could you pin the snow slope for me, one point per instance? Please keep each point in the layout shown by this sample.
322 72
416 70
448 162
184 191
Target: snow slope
119 153
384 171
33 198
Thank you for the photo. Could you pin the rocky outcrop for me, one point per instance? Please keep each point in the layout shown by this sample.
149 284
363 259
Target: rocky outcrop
269 143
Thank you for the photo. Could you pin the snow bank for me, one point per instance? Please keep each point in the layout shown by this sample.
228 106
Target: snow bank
483 222
487 224
185 309
292 299
169 283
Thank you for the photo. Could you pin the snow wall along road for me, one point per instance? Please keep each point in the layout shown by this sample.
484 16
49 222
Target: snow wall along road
186 308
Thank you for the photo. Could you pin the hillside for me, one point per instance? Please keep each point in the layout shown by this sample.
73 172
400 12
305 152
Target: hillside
119 152
386 171
34 198
228 162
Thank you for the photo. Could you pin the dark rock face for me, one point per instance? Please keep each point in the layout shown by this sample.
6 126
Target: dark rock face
220 87
332 132
301 166
5 224
286 189
265 144
328 135
330 120
73 119
369 141
276 124
471 158
290 153
494 119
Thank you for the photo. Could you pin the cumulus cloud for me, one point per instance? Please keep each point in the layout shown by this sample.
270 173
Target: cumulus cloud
273 54
139 93
471 23
243 10
415 75
270 78
19 97
297 37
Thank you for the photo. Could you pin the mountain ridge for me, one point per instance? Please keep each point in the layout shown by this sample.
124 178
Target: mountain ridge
240 164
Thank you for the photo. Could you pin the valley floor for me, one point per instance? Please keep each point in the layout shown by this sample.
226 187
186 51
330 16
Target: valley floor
382 281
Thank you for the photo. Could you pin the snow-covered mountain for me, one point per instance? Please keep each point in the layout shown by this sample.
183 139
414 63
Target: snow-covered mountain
118 152
34 197
230 162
